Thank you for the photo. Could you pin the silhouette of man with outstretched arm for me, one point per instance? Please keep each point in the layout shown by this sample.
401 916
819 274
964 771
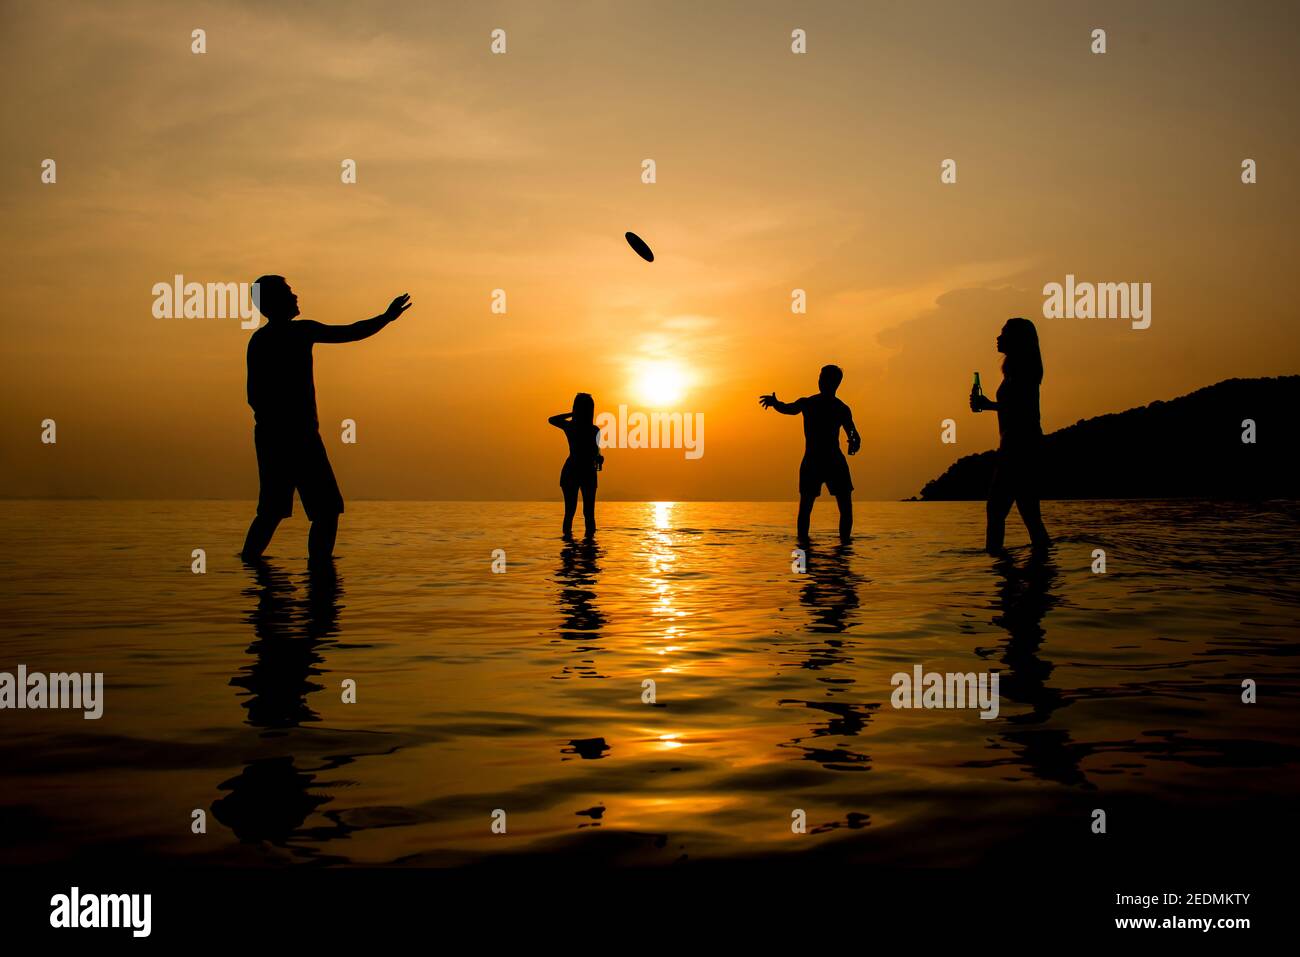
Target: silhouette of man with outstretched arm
823 462
282 392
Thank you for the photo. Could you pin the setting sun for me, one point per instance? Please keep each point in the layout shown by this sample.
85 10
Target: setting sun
659 383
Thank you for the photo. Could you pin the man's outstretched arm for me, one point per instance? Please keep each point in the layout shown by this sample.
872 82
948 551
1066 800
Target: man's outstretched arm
770 401
356 331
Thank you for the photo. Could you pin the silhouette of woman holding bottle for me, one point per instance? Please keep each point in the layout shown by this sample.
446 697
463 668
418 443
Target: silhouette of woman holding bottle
584 461
1016 477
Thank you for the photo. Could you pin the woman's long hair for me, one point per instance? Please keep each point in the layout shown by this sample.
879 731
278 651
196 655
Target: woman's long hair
584 409
1023 359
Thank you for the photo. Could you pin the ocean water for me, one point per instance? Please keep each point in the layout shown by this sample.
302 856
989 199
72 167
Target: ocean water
524 692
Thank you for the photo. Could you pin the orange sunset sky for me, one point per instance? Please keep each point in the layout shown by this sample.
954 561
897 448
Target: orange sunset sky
522 171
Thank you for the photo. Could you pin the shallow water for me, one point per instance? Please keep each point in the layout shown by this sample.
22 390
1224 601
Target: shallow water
523 691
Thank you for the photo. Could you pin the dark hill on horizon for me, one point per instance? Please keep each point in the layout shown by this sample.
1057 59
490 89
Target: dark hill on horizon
1188 447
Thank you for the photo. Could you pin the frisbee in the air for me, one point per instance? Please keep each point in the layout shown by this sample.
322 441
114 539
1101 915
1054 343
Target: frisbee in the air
638 244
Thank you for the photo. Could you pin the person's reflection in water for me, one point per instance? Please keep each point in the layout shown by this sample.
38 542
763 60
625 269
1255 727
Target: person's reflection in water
324 601
830 593
271 799
268 801
289 633
830 590
1024 597
580 618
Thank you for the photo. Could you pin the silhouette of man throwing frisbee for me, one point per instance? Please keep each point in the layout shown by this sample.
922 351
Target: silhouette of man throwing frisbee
282 392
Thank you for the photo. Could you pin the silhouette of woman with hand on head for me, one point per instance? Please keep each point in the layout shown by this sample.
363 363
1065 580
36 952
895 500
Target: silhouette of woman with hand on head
1020 451
584 461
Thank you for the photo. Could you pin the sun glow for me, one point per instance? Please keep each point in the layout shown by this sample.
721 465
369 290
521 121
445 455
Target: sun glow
659 383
